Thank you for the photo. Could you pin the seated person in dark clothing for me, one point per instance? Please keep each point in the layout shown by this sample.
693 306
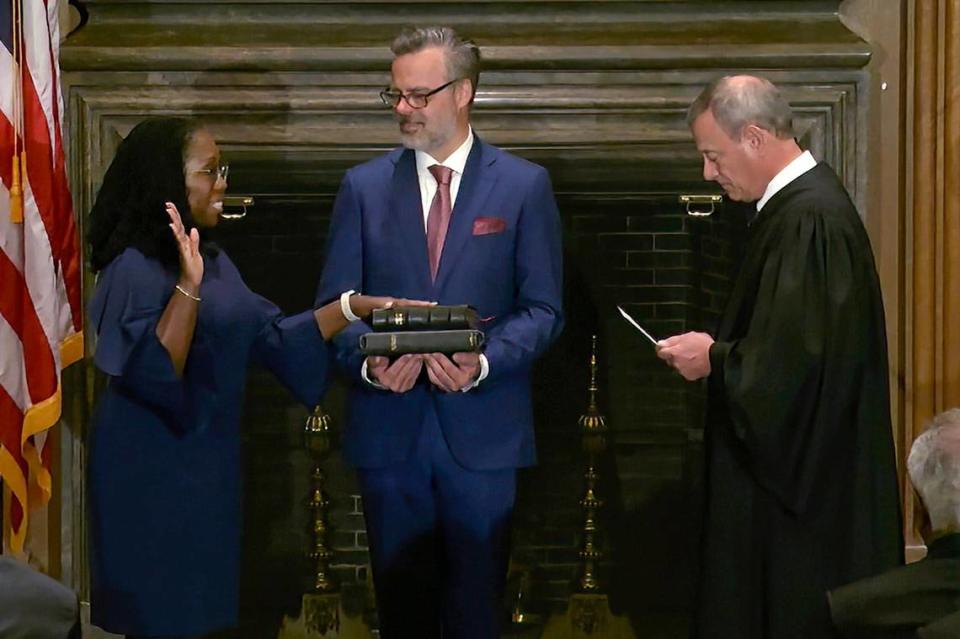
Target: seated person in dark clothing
34 606
921 599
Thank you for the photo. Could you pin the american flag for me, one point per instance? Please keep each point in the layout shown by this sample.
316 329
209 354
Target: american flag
40 314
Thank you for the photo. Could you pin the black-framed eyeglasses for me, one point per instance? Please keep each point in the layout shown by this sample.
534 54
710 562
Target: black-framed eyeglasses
416 99
220 172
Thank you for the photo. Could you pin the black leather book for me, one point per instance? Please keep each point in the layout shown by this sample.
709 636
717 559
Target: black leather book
402 342
425 318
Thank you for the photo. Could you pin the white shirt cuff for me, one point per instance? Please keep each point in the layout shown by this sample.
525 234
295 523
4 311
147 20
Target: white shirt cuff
345 306
484 371
366 377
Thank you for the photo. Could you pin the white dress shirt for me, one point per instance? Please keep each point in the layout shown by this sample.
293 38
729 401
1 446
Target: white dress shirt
800 165
428 184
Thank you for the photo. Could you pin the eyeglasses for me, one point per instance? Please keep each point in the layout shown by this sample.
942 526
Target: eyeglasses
220 172
416 99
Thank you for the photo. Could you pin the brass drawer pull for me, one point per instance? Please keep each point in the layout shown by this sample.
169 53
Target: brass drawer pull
700 205
236 202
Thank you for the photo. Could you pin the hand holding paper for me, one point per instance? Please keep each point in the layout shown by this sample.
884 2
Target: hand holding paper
688 354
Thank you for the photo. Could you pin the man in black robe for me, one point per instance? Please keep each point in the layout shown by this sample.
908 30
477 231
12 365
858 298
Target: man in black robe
801 487
921 600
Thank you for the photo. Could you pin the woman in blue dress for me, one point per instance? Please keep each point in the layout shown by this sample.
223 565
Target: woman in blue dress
176 328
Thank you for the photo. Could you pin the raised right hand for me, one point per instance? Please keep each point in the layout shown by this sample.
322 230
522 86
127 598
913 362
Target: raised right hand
399 376
191 262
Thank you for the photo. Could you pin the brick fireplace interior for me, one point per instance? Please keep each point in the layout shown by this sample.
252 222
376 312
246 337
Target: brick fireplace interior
639 249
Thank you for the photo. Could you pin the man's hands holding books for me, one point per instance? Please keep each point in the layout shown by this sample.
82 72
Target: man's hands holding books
400 376
448 375
452 376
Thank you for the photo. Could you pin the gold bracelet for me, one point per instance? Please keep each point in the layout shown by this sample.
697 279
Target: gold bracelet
183 292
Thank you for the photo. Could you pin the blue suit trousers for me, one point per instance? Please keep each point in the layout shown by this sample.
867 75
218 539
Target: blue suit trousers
439 542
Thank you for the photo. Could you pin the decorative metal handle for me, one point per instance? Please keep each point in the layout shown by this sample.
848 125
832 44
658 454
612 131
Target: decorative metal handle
236 201
700 205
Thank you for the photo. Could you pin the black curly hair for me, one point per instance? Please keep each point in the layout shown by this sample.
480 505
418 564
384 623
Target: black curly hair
146 172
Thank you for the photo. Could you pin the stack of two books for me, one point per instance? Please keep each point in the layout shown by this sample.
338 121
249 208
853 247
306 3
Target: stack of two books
423 329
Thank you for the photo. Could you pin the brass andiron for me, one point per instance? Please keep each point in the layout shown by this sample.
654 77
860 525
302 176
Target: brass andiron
588 614
593 430
320 608
321 611
316 435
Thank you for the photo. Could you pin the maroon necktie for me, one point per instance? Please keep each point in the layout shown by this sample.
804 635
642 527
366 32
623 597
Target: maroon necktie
439 217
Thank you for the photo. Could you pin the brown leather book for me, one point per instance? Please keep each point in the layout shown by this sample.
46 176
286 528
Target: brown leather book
392 343
425 318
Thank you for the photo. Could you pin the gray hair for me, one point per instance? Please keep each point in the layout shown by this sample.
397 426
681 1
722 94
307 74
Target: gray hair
934 468
739 100
462 55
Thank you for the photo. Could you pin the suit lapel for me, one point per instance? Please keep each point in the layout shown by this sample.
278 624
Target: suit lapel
407 210
475 185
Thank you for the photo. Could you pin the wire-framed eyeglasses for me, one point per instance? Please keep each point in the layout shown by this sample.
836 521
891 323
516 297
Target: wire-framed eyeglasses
218 173
416 99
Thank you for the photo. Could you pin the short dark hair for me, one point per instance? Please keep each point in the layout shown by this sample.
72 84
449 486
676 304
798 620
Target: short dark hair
736 101
462 55
146 172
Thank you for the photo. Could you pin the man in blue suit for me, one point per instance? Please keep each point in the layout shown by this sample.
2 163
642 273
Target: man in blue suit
437 440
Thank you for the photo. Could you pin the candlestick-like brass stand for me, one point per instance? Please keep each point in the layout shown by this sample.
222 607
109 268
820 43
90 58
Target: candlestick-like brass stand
593 430
588 614
316 434
321 613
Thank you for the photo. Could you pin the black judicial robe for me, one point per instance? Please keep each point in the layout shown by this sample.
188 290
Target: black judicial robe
801 489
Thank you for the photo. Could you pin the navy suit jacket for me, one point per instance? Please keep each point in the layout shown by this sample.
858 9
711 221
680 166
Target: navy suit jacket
378 246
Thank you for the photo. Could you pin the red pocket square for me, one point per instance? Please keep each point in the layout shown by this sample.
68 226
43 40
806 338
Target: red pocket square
489 225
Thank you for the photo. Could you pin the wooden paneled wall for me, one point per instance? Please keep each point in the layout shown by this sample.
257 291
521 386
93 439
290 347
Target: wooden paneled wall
932 242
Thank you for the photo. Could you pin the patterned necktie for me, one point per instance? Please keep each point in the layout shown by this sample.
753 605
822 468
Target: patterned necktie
439 217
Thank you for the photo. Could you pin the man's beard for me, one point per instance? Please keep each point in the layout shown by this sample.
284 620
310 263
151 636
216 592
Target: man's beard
415 141
423 139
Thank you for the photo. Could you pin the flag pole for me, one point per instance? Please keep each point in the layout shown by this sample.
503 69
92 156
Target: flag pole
19 156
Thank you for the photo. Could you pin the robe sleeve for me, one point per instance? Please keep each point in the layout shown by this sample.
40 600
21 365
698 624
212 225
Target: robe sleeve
130 298
903 599
944 628
791 383
880 604
292 348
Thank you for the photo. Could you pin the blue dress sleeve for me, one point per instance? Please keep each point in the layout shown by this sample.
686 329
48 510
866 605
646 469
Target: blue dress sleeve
293 349
131 295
